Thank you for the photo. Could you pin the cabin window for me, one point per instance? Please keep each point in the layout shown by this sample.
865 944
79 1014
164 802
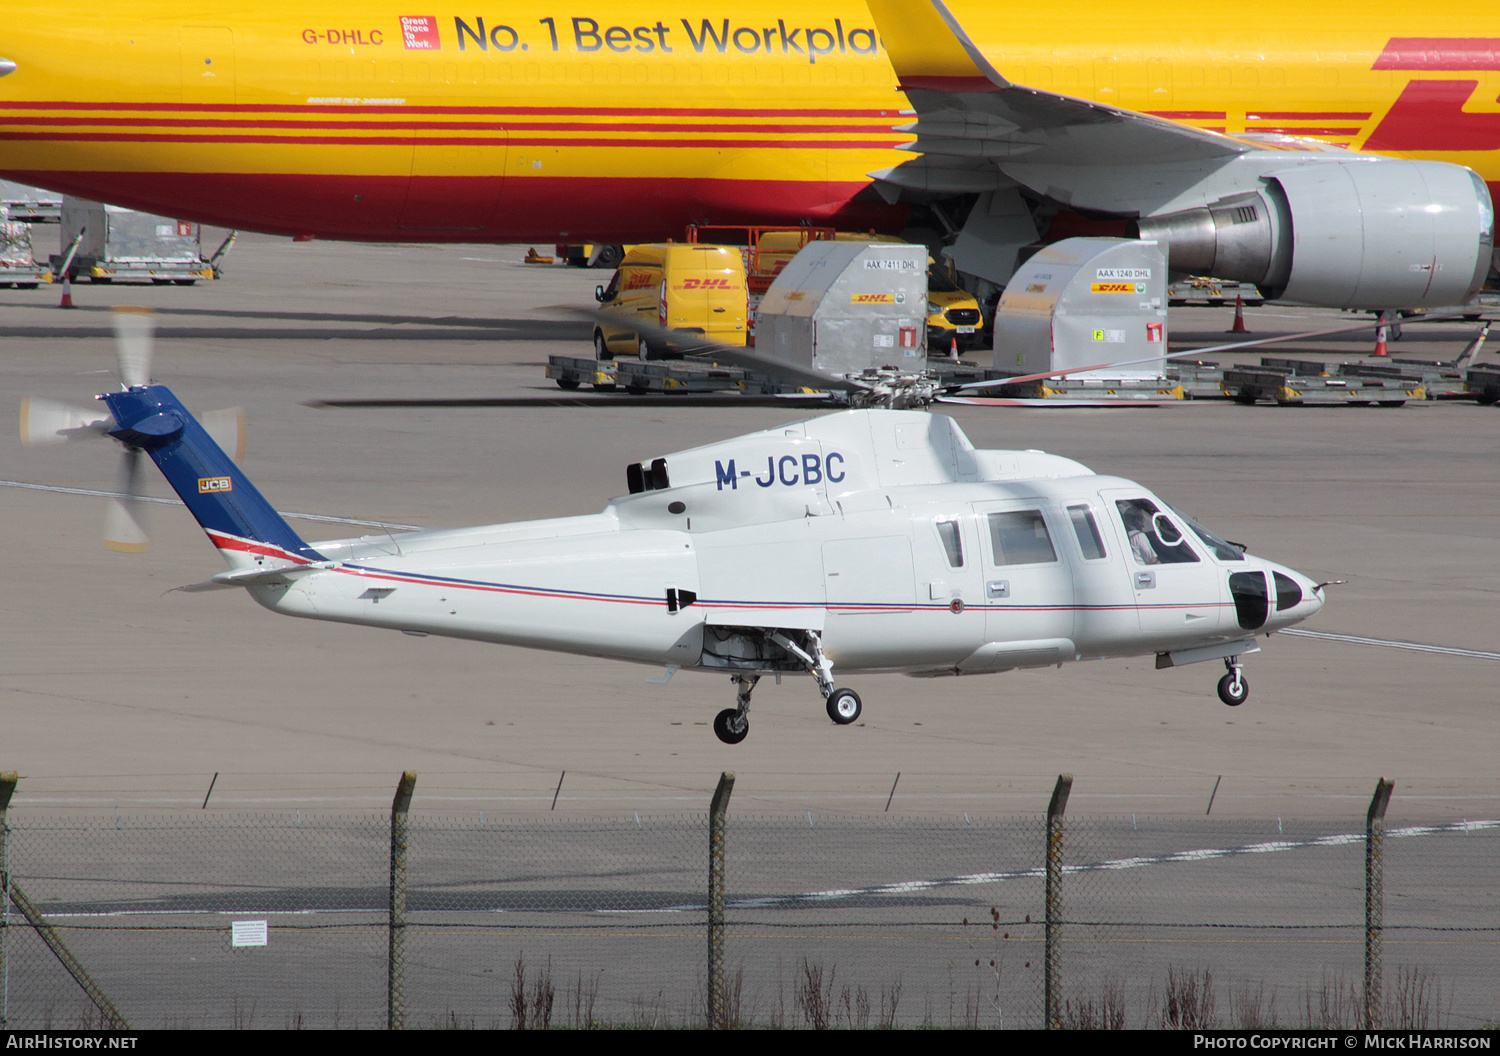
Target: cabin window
1020 538
953 542
1090 542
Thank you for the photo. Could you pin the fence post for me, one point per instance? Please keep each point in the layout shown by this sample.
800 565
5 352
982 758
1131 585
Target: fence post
1375 901
12 892
1055 811
716 813
395 1006
7 789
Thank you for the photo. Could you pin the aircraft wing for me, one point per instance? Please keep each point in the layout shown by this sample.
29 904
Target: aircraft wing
969 115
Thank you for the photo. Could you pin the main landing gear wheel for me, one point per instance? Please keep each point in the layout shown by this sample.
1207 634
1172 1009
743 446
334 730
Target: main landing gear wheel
843 706
1233 689
730 727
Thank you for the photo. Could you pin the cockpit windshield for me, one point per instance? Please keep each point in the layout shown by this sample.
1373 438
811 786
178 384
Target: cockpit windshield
1222 549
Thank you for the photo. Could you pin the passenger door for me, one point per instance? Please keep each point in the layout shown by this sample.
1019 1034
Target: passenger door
1028 587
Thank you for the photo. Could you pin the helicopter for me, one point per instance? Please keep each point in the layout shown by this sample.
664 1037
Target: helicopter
868 539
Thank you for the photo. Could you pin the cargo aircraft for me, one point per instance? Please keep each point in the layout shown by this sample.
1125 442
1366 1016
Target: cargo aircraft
1338 154
864 540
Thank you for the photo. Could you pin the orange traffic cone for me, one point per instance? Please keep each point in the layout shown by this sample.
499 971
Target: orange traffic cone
953 352
67 294
1239 326
1380 349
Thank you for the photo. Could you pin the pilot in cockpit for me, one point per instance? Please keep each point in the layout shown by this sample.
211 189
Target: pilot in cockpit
1137 528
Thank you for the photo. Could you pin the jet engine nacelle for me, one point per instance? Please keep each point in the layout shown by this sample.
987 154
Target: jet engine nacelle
1345 233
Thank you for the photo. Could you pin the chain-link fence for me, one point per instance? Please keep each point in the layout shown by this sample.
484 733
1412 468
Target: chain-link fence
827 921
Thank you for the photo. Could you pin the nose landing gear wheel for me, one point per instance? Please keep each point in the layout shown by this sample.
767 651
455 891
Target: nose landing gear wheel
1233 689
730 727
843 706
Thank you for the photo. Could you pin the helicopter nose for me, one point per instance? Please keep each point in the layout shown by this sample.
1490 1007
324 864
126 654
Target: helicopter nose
1297 597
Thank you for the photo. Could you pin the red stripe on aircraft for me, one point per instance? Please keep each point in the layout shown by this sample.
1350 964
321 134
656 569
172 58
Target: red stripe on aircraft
398 208
356 108
1189 115
1288 130
448 141
234 542
1429 115
462 126
1440 53
1306 115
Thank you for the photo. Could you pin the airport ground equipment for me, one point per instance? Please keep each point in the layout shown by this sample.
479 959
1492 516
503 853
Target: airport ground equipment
1215 293
846 307
31 205
18 264
1284 384
1484 384
121 245
1083 301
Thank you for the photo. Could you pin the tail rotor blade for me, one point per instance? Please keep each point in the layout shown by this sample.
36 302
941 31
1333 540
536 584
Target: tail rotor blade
227 427
134 331
49 422
123 530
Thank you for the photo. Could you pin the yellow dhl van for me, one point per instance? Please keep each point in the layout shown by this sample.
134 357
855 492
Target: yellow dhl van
952 314
697 288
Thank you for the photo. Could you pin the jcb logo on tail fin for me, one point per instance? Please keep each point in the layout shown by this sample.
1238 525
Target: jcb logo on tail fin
208 485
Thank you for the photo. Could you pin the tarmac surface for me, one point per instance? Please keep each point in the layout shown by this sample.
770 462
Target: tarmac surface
116 691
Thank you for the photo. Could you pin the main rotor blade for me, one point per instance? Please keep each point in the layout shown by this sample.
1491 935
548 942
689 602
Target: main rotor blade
134 329
676 399
696 346
50 422
123 528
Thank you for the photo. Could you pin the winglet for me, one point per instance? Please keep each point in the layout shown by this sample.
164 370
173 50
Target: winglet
930 50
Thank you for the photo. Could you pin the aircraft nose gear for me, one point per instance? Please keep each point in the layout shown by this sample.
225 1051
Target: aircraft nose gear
732 724
843 706
1233 687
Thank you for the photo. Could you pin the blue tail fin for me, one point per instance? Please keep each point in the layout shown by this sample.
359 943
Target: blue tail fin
238 520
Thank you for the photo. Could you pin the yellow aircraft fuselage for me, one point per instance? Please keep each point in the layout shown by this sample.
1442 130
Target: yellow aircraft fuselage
623 122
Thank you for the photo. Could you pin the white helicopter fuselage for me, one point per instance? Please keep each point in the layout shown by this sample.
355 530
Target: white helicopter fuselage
885 533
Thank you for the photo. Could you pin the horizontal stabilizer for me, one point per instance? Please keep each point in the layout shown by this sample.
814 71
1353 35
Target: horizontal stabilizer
253 577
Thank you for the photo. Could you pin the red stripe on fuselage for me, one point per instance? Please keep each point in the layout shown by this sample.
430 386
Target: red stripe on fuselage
1440 53
429 126
529 208
1307 115
453 141
759 113
249 546
1429 115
